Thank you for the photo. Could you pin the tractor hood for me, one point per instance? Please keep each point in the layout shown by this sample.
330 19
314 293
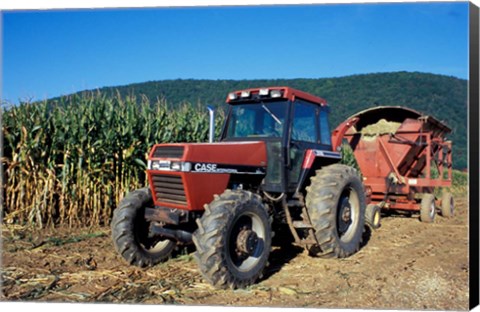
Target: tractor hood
187 175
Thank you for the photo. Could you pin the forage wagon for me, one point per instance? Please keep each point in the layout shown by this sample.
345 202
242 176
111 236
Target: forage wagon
401 166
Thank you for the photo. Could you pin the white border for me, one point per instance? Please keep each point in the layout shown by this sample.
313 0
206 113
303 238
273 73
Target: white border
61 4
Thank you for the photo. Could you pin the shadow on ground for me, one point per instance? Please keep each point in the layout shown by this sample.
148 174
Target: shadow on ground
280 257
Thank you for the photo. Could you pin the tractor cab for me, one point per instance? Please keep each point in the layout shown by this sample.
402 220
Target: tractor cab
289 121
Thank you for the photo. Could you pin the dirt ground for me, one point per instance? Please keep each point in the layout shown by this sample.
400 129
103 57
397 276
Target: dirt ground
406 264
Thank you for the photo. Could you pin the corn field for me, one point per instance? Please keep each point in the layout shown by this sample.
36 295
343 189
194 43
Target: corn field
71 162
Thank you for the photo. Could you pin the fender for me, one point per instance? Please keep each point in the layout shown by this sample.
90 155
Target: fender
314 160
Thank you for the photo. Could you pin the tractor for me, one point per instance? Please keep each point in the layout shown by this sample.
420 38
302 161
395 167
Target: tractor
276 169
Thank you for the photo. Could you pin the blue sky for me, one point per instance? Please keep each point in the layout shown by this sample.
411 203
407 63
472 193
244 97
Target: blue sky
49 53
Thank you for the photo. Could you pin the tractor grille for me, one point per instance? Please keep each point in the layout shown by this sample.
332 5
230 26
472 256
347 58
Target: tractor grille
169 189
168 152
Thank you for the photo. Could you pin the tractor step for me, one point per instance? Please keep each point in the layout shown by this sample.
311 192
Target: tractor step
302 230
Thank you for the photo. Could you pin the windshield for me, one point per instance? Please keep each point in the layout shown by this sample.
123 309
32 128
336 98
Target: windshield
257 120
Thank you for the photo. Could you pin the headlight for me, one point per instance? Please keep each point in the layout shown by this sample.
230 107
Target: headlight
275 94
181 166
232 96
245 94
158 165
167 165
263 91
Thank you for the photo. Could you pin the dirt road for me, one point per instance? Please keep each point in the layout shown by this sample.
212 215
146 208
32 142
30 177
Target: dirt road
406 264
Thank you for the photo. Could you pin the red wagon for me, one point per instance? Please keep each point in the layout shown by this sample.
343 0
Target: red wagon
401 168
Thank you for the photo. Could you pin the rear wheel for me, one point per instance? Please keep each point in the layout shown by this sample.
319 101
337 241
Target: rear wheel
427 208
372 216
130 232
233 239
336 204
447 205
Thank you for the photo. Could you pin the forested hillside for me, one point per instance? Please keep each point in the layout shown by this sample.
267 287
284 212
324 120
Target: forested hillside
440 96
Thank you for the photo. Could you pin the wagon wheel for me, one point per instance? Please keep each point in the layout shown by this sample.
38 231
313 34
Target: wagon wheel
427 208
447 205
372 216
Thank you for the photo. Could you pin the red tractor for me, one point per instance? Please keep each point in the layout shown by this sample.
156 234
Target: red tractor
274 170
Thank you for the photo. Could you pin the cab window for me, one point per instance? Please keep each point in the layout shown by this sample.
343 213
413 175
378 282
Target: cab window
304 122
325 136
264 119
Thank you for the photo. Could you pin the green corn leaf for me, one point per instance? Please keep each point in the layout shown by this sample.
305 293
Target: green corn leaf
141 163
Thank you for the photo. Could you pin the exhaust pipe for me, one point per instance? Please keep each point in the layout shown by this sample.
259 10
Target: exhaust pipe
211 134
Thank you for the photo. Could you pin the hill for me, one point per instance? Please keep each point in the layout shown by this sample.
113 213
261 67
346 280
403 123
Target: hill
443 97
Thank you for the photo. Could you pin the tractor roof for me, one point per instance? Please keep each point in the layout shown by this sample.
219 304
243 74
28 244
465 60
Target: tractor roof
265 93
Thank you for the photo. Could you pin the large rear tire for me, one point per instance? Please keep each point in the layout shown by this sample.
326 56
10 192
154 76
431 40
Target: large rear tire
130 232
336 204
233 239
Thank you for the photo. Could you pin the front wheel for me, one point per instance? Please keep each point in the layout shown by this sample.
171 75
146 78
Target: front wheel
336 204
233 240
130 232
